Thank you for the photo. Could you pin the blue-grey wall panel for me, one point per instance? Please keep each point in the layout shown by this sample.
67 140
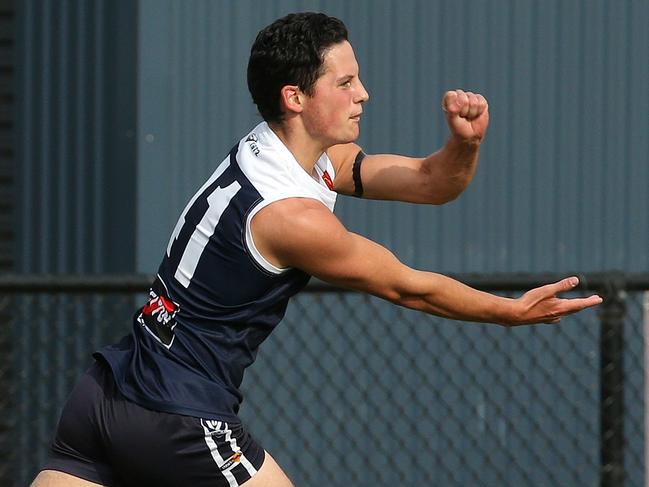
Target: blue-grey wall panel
7 128
75 143
562 183
562 179
75 148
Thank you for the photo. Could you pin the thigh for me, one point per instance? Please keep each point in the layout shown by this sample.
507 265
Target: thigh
77 448
52 478
270 475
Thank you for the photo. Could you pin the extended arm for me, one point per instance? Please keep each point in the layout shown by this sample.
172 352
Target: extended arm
302 233
437 178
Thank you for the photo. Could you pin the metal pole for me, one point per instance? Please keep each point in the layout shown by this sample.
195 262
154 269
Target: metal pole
612 313
645 329
6 386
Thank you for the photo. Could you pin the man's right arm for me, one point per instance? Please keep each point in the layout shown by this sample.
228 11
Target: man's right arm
303 234
435 179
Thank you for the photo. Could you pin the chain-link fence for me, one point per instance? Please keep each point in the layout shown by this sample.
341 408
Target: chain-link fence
351 390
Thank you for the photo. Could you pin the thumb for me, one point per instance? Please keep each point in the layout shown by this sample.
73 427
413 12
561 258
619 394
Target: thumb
564 285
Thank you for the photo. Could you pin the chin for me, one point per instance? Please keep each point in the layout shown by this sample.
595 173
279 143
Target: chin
348 140
347 136
355 134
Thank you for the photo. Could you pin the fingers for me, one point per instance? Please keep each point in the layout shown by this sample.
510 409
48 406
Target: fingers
578 304
561 286
570 306
464 104
541 305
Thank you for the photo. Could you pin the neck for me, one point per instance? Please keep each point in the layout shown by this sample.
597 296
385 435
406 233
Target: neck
305 149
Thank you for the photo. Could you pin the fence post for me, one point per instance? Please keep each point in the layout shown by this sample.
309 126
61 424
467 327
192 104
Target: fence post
6 385
611 314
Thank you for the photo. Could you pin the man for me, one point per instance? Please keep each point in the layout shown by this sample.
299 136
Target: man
160 407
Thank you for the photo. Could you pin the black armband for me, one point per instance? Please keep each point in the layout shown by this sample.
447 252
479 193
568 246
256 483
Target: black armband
356 174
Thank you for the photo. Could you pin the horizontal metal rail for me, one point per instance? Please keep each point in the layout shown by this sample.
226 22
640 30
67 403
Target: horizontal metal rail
129 283
611 285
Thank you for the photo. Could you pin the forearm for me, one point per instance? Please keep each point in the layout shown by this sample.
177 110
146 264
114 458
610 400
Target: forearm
451 169
443 296
299 228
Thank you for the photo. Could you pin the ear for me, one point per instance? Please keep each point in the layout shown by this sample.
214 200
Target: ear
291 98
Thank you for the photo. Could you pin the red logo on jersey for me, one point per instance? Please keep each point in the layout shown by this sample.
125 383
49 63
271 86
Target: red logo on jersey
327 179
158 304
158 315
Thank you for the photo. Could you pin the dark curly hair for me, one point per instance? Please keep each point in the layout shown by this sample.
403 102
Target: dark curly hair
290 51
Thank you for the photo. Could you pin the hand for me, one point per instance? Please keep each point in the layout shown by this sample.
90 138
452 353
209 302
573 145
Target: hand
467 115
541 305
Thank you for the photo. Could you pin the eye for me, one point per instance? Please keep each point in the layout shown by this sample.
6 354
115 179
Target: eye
346 84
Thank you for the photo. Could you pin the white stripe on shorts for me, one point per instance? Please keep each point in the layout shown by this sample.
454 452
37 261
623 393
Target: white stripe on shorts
214 450
233 444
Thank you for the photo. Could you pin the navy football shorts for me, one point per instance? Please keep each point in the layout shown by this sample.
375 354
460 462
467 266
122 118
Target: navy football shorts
104 438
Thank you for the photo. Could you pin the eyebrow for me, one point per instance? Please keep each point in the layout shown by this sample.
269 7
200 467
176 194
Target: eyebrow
345 78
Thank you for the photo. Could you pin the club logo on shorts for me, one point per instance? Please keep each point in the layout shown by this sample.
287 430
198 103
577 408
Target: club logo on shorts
232 461
214 428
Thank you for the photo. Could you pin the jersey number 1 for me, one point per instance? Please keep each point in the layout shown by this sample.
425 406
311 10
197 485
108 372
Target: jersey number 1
217 202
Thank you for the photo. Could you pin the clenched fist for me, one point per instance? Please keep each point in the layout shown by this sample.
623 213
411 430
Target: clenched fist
467 114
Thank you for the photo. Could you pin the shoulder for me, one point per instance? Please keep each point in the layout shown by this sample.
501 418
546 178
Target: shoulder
343 154
342 157
303 234
295 215
292 230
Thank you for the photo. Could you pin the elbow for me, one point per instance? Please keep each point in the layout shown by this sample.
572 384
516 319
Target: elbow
437 197
407 298
394 293
440 189
447 198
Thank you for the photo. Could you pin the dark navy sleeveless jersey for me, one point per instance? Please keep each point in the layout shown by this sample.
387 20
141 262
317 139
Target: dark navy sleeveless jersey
216 298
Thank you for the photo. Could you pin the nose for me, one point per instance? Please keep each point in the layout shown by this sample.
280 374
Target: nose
363 95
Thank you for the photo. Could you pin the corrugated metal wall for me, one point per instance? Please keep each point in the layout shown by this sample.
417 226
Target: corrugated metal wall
563 177
75 193
7 162
76 126
7 203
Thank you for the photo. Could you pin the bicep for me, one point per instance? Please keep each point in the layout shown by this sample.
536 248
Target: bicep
307 236
354 262
383 176
395 177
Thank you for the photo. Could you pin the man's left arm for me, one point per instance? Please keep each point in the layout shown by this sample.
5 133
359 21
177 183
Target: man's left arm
435 179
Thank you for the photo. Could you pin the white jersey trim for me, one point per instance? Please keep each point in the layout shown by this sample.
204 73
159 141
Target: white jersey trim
218 459
276 174
250 241
252 248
